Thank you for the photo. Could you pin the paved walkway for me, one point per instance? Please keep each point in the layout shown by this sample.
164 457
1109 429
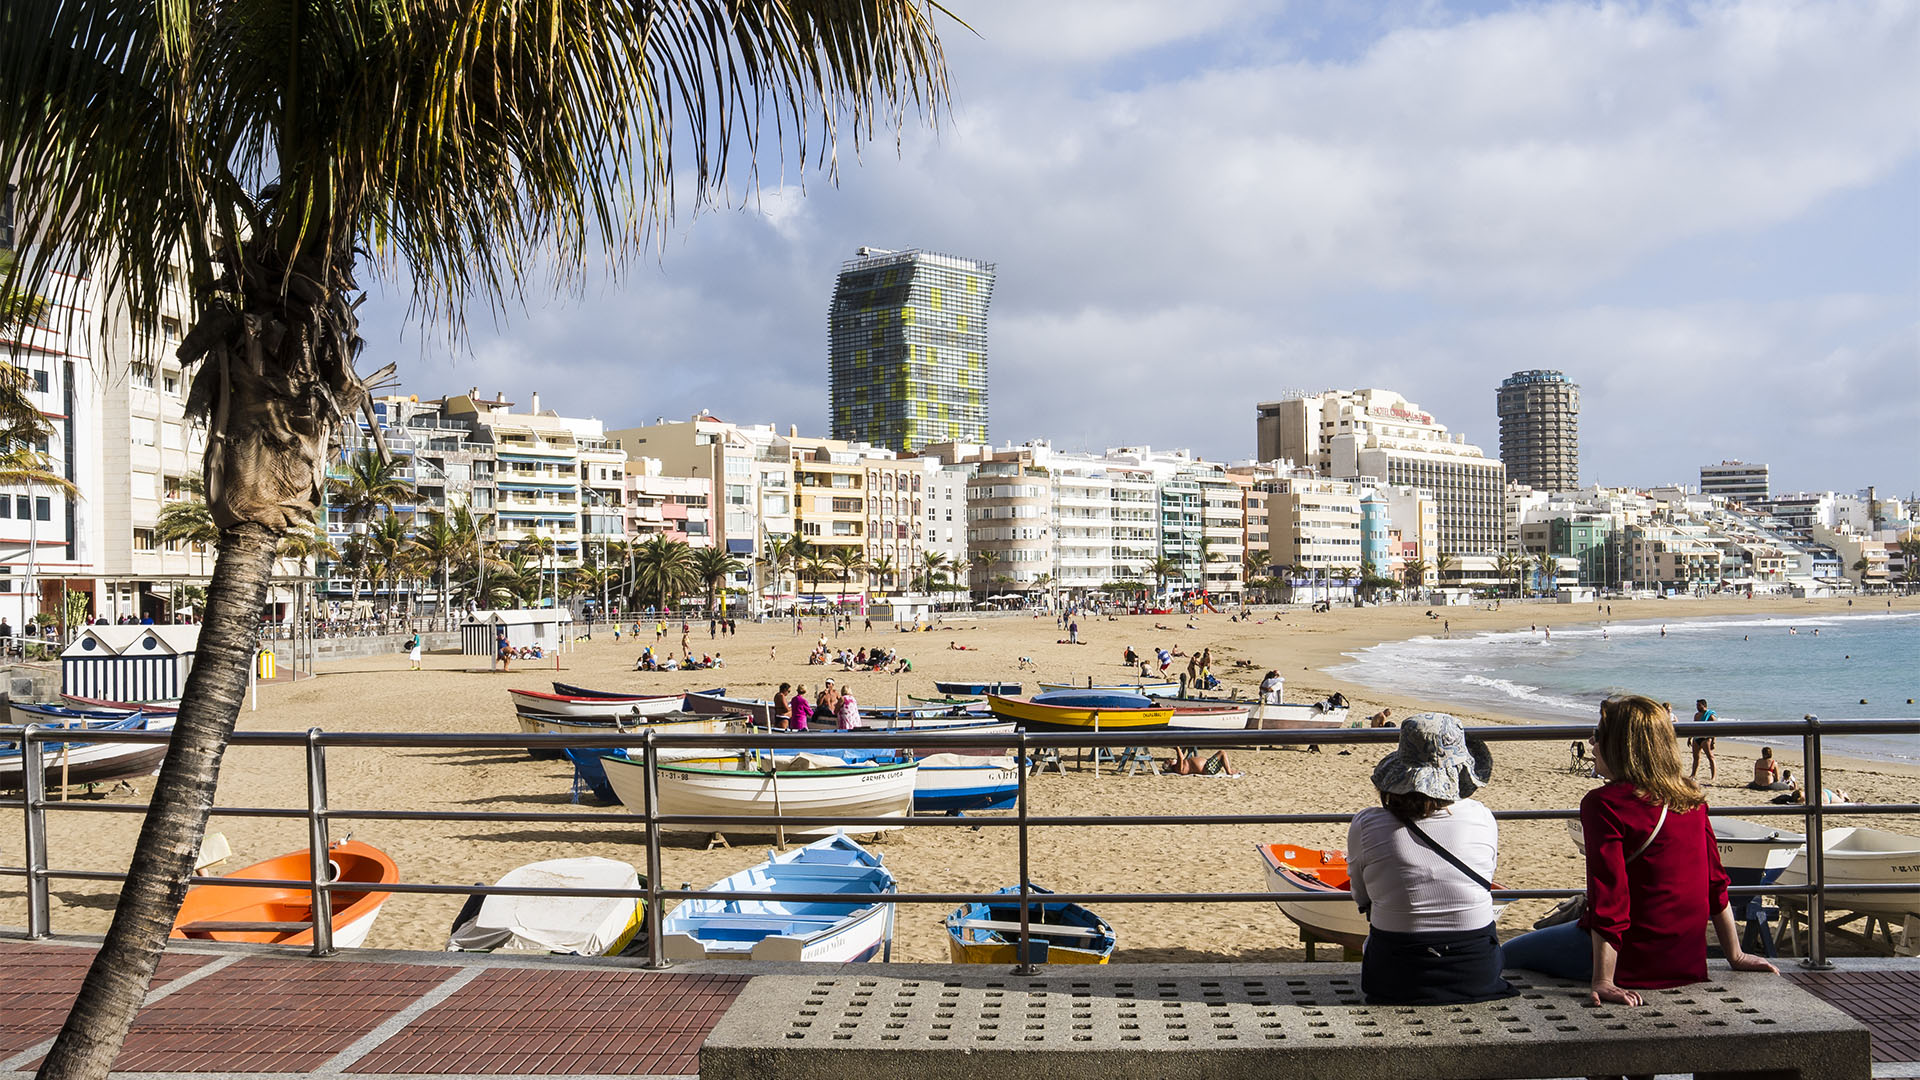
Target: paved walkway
258 1012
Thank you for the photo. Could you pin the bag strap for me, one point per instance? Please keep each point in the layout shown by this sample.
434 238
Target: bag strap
1648 842
1421 834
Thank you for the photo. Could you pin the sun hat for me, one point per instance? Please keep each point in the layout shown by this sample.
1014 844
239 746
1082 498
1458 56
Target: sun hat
829 682
1436 759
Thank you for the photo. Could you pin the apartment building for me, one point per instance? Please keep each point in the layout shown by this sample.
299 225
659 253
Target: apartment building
1314 530
1736 480
1010 538
557 479
1378 434
749 465
676 507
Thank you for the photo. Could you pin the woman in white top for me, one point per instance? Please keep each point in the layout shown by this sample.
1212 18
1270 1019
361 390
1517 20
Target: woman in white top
1421 867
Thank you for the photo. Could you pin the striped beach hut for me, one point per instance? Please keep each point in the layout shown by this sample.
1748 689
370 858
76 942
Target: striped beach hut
548 628
129 663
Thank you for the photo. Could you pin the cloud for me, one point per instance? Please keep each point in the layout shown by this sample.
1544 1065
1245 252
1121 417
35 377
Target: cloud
1194 207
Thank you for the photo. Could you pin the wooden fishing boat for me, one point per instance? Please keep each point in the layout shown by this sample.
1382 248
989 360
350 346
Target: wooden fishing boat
594 708
1126 712
568 925
684 723
1149 687
1210 715
590 775
956 783
104 705
756 709
976 689
1303 871
1268 716
1863 856
1751 853
791 785
74 759
570 690
1057 933
277 915
950 702
765 927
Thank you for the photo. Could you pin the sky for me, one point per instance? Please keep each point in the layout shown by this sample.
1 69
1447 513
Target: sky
1707 215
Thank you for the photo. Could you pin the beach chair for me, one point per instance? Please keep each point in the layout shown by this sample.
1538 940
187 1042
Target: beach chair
1136 758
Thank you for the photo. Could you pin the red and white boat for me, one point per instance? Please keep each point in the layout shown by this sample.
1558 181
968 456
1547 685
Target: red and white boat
594 708
151 708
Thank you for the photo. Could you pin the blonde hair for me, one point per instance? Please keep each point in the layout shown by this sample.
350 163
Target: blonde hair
1636 738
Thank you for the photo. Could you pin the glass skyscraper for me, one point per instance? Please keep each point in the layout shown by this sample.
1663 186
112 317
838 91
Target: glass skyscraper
907 349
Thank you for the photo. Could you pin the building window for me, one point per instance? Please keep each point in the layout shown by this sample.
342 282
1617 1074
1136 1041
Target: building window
143 539
41 382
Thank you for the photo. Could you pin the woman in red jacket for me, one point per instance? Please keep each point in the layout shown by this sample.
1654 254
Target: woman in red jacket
1653 871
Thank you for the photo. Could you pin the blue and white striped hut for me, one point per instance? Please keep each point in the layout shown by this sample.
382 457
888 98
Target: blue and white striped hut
549 628
129 663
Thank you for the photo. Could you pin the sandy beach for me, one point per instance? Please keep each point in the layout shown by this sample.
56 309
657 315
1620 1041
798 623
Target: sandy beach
380 694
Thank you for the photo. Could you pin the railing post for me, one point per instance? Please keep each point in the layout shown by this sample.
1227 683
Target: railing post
656 958
1023 957
33 792
1816 958
319 846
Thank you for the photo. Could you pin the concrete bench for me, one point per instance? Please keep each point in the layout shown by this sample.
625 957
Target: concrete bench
948 1022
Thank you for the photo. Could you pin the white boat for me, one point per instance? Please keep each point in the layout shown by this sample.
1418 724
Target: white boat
1302 871
570 925
1752 852
954 783
681 723
1269 715
75 760
766 927
800 785
1211 715
593 708
1144 687
1862 856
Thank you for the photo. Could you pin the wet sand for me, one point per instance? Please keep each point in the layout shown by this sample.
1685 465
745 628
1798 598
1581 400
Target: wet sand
380 694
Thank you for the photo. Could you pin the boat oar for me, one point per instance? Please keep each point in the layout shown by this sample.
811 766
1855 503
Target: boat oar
773 777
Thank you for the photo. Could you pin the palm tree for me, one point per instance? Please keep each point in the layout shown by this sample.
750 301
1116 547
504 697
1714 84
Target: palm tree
386 554
1162 568
435 547
843 563
18 307
781 554
1443 564
540 548
711 566
883 568
369 484
1414 573
933 571
984 561
663 570
187 521
261 145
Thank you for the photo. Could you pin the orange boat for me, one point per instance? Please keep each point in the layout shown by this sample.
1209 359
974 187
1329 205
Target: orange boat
1302 871
284 916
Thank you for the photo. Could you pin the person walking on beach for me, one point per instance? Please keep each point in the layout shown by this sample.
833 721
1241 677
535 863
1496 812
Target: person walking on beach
413 651
1702 714
1073 632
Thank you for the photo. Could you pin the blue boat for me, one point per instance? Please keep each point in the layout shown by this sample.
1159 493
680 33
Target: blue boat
76 760
976 689
765 927
1057 933
948 783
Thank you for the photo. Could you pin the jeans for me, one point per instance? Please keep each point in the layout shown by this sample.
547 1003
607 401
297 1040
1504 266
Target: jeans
1564 952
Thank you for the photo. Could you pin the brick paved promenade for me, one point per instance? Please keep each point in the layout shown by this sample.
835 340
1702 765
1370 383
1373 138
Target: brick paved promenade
259 1012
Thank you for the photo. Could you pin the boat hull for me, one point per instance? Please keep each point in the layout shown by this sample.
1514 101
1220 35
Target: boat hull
763 926
593 708
1863 856
1037 716
674 723
975 689
1059 933
1215 717
760 712
879 791
170 705
1268 716
954 784
1298 871
353 916
81 762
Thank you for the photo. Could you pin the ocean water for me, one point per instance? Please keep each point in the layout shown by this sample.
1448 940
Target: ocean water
1748 668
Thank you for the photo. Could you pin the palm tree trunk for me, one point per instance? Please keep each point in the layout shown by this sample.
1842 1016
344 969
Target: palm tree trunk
177 814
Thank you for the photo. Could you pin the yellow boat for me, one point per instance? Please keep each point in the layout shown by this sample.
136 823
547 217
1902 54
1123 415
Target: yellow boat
1082 711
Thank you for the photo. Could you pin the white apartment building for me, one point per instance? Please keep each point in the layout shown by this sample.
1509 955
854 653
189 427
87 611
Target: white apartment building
750 466
1313 529
1737 480
556 478
1349 434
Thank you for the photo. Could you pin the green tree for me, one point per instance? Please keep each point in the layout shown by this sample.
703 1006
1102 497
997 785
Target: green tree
984 561
664 570
435 548
387 542
843 563
933 571
883 571
189 522
1414 573
1444 564
260 144
711 566
369 484
1163 569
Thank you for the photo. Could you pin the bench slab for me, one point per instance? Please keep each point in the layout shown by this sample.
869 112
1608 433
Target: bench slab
963 1023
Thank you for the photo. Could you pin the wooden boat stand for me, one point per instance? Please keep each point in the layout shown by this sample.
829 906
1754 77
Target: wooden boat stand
1880 933
1347 952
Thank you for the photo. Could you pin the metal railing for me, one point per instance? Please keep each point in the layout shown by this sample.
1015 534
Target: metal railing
319 814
